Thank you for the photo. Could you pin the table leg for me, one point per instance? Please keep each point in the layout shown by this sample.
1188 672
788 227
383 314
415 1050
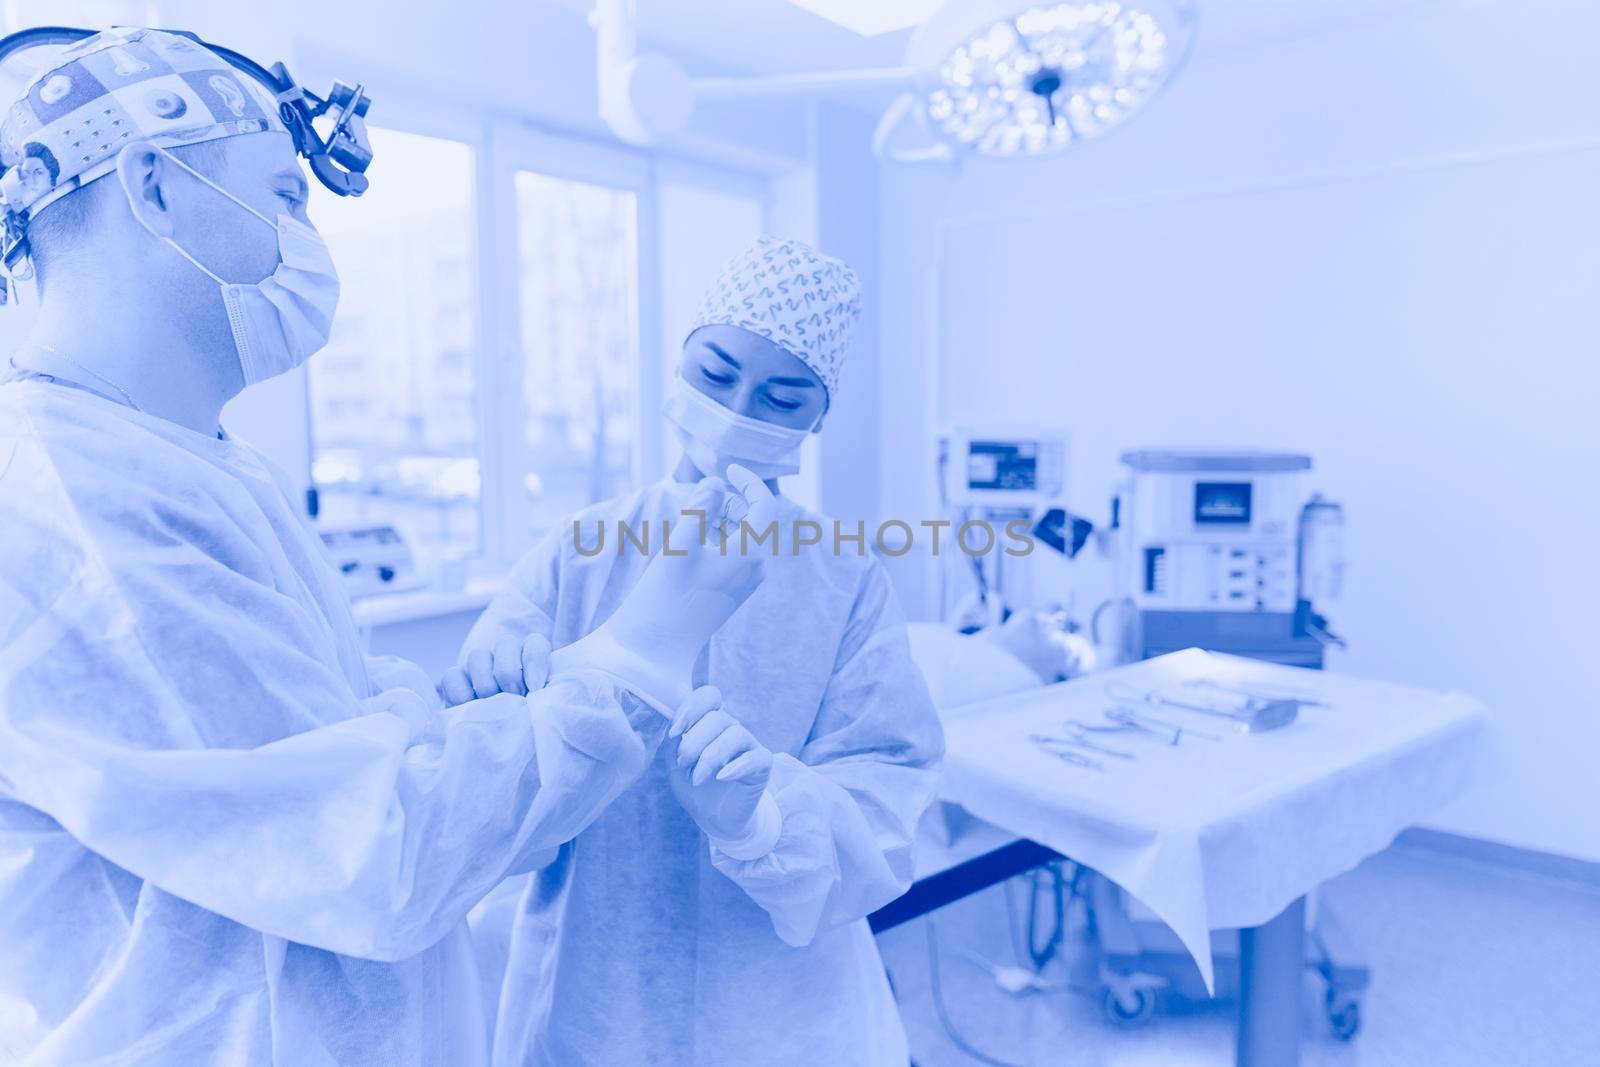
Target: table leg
1272 960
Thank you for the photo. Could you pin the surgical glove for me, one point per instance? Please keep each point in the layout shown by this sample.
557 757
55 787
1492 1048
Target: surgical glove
651 642
720 773
512 666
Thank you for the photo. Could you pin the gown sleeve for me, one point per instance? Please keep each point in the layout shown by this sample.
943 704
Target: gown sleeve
851 802
392 672
167 705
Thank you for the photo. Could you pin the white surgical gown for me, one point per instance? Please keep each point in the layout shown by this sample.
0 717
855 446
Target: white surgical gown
221 839
641 944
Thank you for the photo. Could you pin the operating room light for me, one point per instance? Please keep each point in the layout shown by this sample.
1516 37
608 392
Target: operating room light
1041 78
980 77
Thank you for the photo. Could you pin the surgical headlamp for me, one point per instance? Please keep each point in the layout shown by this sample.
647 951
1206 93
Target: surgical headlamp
339 159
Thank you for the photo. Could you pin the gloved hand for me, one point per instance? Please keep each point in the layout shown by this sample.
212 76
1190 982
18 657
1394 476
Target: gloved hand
719 772
512 666
650 643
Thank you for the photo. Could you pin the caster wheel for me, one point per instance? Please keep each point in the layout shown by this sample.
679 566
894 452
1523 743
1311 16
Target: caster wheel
1130 1009
1344 1017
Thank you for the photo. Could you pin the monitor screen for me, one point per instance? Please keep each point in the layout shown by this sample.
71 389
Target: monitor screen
1003 465
1222 503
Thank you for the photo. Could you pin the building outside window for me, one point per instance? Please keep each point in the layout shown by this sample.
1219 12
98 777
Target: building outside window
394 415
577 249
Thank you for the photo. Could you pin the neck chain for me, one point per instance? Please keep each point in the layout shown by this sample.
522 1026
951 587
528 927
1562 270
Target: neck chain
102 379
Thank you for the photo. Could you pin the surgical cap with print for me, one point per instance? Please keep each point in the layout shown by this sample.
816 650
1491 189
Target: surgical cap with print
804 302
104 92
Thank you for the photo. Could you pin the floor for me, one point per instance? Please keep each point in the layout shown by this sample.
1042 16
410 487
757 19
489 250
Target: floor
1471 964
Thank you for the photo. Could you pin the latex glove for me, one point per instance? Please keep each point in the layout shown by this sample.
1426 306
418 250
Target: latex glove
719 774
650 643
512 666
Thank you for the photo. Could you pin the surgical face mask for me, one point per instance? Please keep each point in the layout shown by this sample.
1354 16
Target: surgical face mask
713 437
281 321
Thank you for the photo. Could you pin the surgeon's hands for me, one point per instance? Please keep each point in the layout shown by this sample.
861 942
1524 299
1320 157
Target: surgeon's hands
511 666
719 771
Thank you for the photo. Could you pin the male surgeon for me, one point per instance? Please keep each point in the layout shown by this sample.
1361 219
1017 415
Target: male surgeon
716 912
226 836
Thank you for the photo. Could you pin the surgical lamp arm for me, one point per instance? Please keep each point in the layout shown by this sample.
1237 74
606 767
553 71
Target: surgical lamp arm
798 84
644 98
817 82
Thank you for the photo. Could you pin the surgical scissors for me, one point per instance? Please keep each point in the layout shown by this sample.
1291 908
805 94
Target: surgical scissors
1078 731
1055 746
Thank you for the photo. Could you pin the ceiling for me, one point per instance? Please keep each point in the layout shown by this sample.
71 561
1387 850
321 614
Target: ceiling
880 16
707 36
532 51
777 36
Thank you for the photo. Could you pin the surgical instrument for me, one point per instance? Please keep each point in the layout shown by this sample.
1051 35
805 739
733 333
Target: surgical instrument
1137 720
1260 692
1255 715
1079 731
1059 748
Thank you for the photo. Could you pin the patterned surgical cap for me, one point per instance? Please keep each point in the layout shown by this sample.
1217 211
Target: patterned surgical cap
118 86
802 301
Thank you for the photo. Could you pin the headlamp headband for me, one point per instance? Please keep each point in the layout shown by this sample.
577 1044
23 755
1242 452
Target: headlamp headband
339 160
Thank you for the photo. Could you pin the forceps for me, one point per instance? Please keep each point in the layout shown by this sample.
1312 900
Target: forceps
1079 732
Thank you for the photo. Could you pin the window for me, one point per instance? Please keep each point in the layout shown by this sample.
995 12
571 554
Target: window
577 251
394 414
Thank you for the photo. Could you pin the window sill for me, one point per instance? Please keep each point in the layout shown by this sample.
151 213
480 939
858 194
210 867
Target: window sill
396 609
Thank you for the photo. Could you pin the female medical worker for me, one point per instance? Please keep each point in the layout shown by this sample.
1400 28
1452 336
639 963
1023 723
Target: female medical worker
700 921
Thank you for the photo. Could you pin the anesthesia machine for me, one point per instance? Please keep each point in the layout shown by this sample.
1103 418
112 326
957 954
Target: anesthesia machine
1225 551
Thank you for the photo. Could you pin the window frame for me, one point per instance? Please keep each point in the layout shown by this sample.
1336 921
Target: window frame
502 145
429 118
513 147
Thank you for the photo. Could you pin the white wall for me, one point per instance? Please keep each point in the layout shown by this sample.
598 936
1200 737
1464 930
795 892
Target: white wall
706 220
847 211
1380 245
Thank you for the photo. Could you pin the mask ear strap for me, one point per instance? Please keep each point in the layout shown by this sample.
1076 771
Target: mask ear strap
184 252
207 181
198 265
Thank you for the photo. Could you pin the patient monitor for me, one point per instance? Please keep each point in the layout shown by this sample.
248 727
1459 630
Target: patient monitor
1004 468
1002 475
